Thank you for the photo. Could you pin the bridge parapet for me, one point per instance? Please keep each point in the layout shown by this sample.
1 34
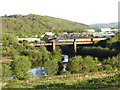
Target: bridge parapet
98 39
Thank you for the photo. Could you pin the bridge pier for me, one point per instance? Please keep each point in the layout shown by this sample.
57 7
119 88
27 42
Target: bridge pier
53 45
92 40
75 46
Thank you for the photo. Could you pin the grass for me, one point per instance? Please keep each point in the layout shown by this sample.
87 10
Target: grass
73 83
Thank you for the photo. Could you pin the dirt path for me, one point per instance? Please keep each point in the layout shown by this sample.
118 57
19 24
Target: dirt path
6 60
81 76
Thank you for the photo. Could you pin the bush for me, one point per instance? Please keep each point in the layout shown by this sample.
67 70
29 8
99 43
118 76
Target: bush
65 73
79 64
13 83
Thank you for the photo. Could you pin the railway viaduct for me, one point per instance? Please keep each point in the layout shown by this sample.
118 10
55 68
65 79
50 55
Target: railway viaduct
73 42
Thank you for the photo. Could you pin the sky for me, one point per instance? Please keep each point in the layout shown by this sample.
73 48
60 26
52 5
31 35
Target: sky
82 11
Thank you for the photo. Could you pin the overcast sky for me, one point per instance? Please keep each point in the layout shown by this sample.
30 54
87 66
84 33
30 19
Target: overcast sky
83 11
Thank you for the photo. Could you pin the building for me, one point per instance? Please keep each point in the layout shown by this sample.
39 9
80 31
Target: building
49 33
90 31
64 33
29 39
103 30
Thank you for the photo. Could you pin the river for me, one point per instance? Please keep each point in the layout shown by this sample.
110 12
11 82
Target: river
40 71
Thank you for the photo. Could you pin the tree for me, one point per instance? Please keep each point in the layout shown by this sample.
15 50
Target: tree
44 52
6 72
114 42
13 84
9 39
0 72
20 67
52 64
113 62
25 42
89 64
74 64
79 64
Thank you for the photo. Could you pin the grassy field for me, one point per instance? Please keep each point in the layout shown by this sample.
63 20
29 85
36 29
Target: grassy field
76 81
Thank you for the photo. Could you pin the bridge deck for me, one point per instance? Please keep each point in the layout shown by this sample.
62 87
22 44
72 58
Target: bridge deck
59 43
69 41
73 42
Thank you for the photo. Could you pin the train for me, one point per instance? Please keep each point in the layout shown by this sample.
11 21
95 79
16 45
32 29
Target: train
77 40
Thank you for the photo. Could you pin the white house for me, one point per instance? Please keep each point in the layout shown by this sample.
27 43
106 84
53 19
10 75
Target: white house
29 39
42 35
90 30
49 33
36 35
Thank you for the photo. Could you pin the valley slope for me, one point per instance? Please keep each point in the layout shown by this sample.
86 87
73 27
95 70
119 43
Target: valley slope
36 24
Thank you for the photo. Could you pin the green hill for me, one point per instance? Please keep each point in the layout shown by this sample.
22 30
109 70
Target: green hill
35 25
109 25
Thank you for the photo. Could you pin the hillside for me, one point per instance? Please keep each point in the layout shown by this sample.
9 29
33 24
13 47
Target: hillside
35 24
110 25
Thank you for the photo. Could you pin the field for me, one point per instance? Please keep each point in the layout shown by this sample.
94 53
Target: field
81 81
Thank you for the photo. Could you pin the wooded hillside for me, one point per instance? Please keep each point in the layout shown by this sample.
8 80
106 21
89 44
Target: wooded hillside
35 24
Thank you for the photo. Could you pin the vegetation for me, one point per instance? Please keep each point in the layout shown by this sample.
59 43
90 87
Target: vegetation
104 56
25 57
107 25
101 53
78 64
10 45
112 43
20 67
52 64
6 72
112 63
82 82
36 25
